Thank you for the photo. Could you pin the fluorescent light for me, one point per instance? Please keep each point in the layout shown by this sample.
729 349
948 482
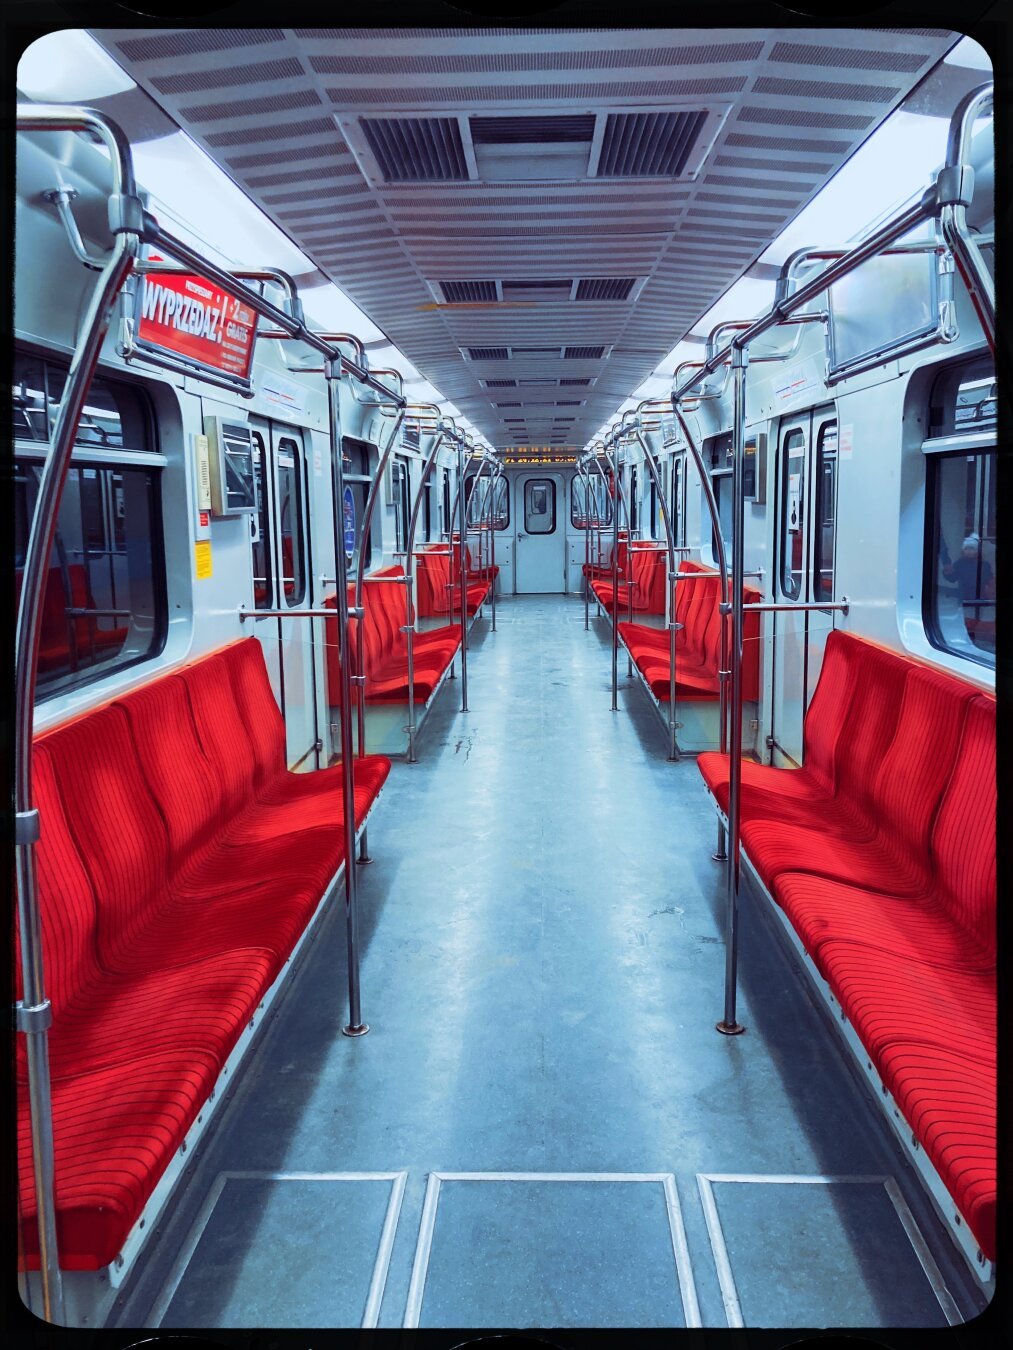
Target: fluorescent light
69 67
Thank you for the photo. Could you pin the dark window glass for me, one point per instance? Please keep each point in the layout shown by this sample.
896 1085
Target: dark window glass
721 484
427 508
590 506
960 592
104 596
491 505
675 506
446 503
291 520
653 522
963 399
261 545
114 415
539 506
402 502
826 513
792 513
634 502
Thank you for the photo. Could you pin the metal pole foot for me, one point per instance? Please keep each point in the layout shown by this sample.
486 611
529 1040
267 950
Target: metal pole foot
359 1030
720 857
364 857
730 1028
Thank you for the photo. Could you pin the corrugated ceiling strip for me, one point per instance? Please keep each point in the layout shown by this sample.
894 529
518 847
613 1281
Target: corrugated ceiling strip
228 77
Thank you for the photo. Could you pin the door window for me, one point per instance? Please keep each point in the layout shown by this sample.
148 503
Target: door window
539 506
291 521
792 512
826 513
262 579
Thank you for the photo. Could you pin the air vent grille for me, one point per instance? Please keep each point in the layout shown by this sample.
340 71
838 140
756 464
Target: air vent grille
488 353
515 404
568 403
605 288
417 149
532 130
583 353
468 292
501 384
582 381
648 145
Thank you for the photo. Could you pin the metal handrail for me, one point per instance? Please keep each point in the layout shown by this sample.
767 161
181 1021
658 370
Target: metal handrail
947 197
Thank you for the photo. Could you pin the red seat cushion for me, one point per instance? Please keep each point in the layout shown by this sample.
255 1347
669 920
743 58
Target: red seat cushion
115 1133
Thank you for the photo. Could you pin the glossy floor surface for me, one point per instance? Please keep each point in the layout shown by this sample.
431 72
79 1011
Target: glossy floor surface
543 1127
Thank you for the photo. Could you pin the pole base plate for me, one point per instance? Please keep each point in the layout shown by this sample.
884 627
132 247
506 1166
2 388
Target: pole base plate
364 862
359 1030
720 857
730 1028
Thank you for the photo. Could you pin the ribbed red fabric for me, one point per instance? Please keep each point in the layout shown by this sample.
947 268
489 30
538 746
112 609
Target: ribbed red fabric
698 642
881 851
179 864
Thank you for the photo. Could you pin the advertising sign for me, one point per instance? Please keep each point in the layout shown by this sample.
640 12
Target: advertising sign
196 321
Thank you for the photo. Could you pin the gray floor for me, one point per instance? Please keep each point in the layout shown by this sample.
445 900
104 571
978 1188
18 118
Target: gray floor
542 969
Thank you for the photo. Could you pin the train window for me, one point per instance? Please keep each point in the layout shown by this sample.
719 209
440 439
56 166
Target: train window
446 502
539 506
675 502
104 600
427 508
826 513
634 503
590 506
721 484
492 503
402 502
261 544
291 521
355 463
963 400
114 415
654 510
792 512
960 596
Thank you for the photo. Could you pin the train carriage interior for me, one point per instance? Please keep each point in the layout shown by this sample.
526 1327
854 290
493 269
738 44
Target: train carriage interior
507 581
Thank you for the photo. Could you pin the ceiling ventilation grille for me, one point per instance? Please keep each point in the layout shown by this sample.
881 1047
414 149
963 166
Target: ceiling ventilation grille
501 384
417 149
583 381
532 130
568 403
605 288
648 145
468 292
583 353
488 353
537 290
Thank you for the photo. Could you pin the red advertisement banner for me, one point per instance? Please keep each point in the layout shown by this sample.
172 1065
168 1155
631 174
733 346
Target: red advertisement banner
196 319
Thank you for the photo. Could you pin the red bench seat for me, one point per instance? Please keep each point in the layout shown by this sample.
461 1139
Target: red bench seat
603 570
438 594
179 863
881 852
698 642
648 568
382 648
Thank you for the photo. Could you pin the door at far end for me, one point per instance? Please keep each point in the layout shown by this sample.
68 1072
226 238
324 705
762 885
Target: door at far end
541 536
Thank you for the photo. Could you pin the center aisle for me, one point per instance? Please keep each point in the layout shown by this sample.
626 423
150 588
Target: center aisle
542 969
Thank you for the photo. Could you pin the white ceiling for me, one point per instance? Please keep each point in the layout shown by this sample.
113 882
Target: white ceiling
280 109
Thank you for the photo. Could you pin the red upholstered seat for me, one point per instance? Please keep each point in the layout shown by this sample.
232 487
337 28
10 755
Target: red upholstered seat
881 852
382 647
698 641
178 865
643 575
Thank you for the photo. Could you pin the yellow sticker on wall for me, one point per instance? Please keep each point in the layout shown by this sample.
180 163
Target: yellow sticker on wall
202 556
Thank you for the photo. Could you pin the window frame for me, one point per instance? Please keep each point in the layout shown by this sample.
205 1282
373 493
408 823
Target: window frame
537 534
820 459
935 455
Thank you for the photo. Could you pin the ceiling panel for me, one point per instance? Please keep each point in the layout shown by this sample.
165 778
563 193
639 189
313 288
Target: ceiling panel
400 159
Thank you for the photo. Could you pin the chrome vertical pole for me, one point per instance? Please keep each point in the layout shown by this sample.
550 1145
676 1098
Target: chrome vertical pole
462 512
724 674
332 374
367 520
615 581
409 552
586 481
33 1012
673 749
728 1025
493 518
